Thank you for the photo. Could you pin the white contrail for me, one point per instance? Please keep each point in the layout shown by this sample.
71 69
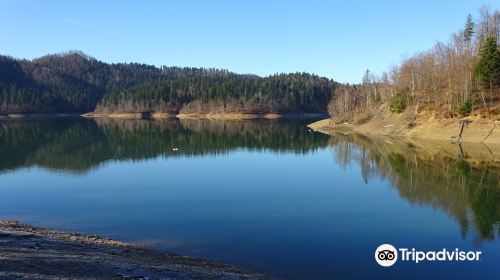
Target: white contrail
97 28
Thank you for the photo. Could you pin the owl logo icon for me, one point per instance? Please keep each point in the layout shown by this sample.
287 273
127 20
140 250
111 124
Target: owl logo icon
386 255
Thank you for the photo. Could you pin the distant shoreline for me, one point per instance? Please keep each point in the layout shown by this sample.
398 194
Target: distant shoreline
34 252
39 115
160 116
210 116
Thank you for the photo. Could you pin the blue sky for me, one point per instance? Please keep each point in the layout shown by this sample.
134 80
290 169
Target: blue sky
337 39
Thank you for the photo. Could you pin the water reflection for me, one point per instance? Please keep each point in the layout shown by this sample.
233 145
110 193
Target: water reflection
80 145
267 195
461 180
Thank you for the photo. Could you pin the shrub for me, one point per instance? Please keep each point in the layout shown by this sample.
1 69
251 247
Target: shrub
465 109
398 102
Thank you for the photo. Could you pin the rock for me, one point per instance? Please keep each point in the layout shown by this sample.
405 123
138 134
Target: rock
16 234
92 259
134 277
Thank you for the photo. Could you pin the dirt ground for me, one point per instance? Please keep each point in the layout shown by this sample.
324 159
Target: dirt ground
425 125
28 252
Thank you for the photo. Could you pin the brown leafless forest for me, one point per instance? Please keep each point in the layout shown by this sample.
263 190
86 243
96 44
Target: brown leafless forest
452 78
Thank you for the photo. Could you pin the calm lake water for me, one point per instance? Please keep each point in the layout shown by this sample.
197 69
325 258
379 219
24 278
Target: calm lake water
269 196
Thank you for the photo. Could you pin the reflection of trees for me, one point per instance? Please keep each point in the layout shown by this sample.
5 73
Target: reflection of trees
56 144
466 187
77 145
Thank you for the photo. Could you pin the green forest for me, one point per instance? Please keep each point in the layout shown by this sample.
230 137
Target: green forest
74 82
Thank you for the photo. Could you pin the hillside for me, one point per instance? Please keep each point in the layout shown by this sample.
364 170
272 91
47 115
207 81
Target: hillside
451 91
426 124
77 83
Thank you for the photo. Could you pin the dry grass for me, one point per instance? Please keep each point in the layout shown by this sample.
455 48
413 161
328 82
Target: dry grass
362 118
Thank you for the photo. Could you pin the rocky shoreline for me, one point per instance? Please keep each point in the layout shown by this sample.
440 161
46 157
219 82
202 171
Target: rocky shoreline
28 252
475 128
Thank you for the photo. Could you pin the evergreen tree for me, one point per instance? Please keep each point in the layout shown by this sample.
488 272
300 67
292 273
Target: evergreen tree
488 67
468 30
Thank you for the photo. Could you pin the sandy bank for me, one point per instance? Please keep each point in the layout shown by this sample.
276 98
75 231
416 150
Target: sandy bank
425 125
210 116
129 115
229 116
28 252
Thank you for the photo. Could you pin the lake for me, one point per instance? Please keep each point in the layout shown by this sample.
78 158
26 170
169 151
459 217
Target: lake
270 196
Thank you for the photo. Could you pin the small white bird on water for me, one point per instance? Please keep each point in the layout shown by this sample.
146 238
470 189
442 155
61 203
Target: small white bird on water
175 149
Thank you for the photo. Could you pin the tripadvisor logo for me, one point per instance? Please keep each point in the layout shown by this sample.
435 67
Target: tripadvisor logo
387 255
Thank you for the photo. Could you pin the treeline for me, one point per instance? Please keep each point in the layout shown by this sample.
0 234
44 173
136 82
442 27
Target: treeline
69 82
75 82
204 91
452 78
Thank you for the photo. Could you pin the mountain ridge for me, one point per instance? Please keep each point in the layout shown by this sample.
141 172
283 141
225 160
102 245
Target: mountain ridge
74 82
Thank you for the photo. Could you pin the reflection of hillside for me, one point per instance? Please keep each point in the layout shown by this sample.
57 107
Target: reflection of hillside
462 181
78 145
54 144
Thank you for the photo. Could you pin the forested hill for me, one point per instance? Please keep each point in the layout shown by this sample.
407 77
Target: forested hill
77 83
452 79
